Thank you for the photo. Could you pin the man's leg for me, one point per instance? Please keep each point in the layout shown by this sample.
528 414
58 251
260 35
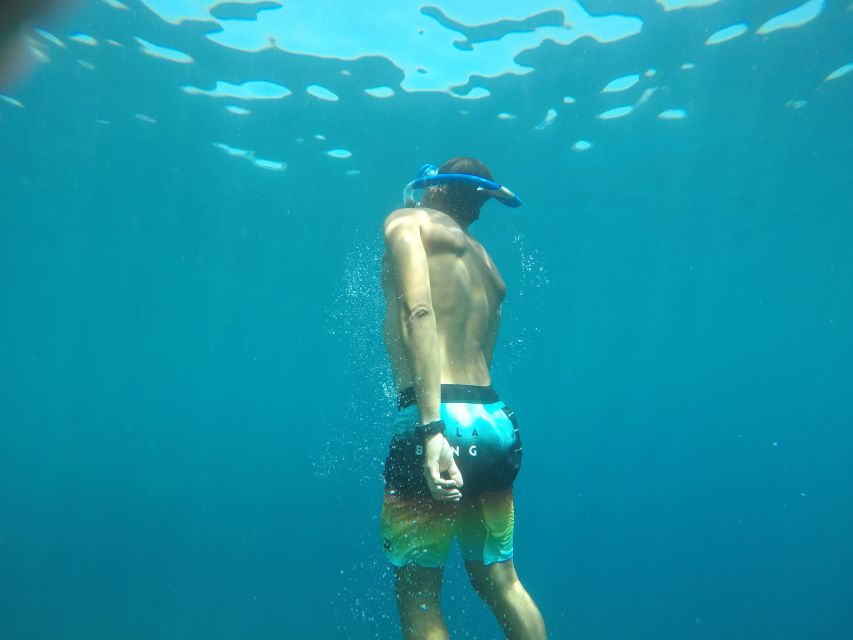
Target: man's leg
419 601
500 588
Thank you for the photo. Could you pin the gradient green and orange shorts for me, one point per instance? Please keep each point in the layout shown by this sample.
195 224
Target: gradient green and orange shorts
483 432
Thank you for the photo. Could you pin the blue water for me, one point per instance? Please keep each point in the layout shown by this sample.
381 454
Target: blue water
195 401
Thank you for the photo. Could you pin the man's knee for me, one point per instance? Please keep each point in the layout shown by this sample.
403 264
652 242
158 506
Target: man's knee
492 582
416 606
431 631
420 616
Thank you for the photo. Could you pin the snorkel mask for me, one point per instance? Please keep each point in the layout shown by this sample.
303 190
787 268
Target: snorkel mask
428 176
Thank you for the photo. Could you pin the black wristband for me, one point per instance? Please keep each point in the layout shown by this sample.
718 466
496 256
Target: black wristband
424 431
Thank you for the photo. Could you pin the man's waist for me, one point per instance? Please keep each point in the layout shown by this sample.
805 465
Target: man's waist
468 393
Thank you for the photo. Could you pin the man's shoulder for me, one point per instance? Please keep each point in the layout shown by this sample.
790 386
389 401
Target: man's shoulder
403 215
421 215
402 226
415 217
435 230
401 222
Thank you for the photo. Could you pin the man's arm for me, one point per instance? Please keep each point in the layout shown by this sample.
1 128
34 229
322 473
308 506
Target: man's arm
419 335
417 318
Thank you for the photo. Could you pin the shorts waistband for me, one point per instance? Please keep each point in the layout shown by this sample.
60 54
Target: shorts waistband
452 393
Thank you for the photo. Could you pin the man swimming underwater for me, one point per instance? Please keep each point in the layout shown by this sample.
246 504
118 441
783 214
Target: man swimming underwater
456 448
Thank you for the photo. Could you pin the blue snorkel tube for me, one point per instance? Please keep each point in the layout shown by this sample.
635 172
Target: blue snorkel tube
428 176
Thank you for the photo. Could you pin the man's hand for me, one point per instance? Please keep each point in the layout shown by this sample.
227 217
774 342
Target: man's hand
442 475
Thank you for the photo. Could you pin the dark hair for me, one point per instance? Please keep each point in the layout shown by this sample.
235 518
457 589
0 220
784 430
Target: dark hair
464 164
462 194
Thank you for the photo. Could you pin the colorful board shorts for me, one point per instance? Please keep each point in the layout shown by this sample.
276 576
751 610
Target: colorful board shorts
483 433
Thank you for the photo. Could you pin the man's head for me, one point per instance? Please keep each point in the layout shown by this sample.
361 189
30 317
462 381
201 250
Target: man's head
461 202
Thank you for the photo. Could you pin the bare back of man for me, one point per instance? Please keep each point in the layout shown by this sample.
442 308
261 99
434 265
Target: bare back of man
443 301
465 290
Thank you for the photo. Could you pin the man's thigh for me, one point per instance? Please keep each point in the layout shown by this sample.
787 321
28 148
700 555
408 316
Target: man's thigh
486 527
416 529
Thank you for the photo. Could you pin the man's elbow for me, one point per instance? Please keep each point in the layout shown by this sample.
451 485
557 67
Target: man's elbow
419 313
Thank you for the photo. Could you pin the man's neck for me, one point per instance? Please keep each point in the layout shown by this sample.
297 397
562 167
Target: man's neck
463 222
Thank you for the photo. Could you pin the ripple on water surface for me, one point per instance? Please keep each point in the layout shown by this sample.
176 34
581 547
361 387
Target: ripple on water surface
252 90
621 84
796 17
163 53
727 33
322 93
